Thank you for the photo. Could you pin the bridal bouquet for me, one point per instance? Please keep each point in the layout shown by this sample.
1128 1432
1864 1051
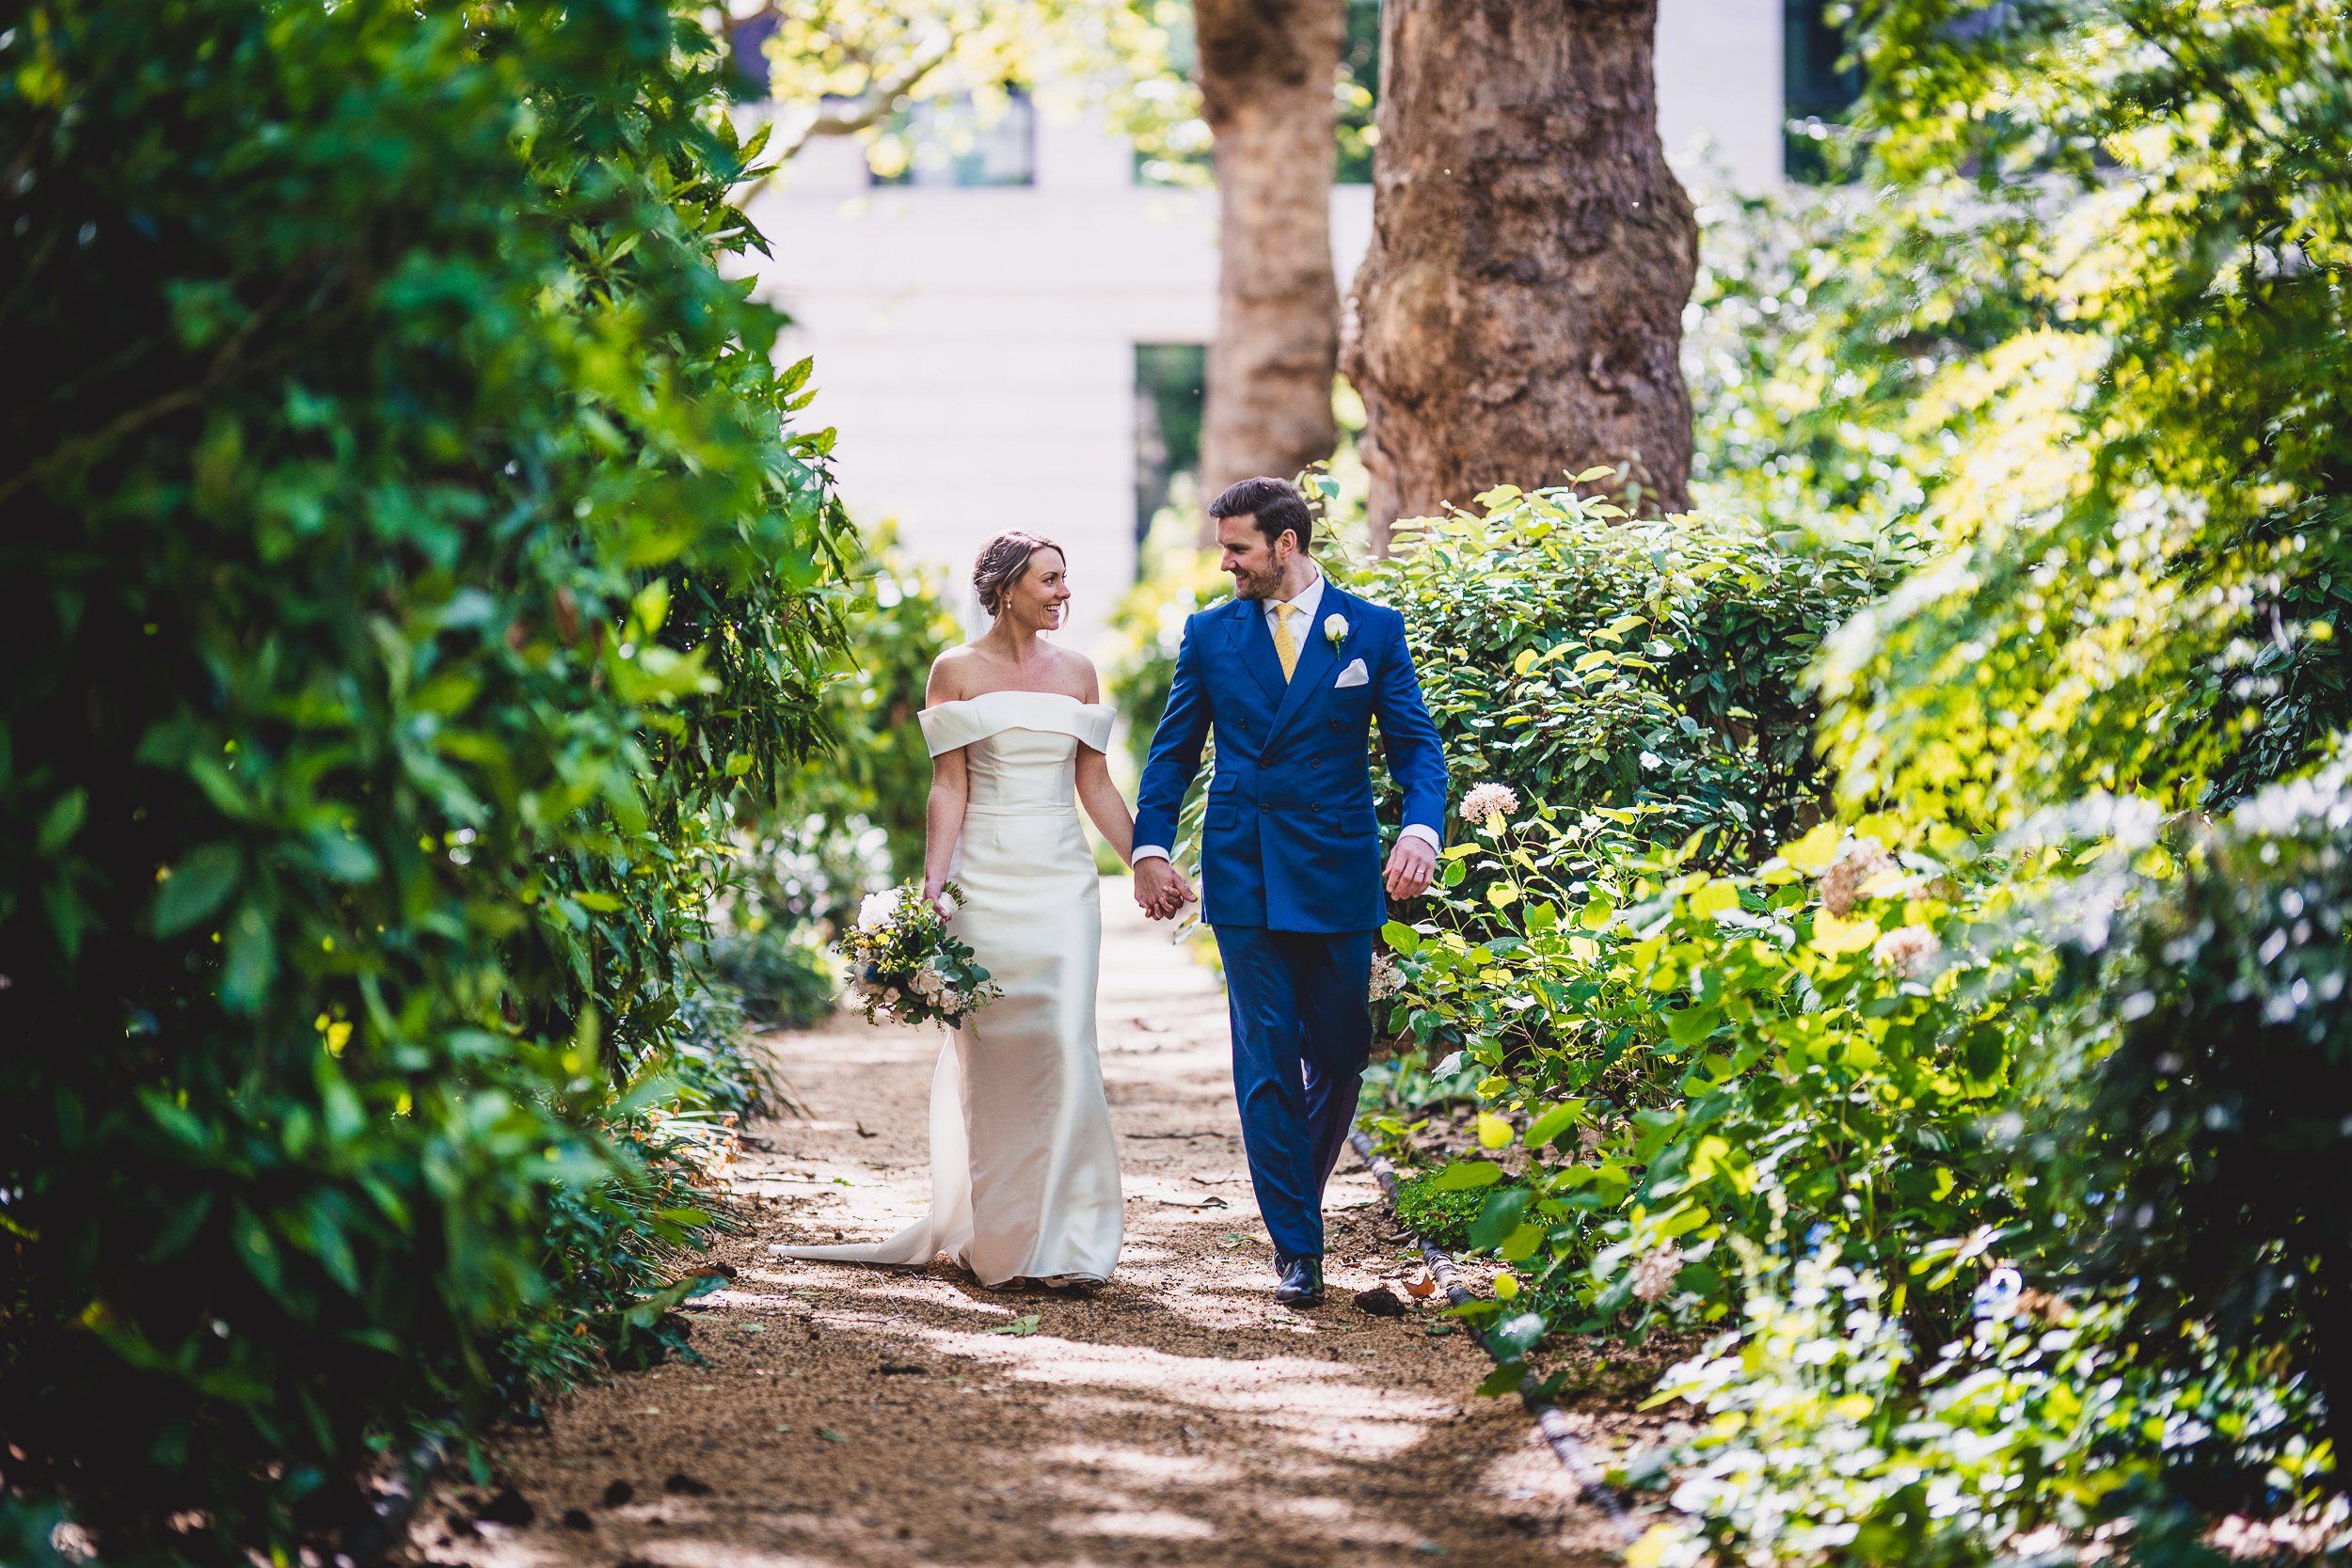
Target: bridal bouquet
903 964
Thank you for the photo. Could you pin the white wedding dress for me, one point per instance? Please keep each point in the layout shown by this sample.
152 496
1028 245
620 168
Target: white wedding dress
1024 1169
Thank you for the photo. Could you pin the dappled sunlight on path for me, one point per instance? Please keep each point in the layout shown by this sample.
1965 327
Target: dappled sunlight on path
852 1415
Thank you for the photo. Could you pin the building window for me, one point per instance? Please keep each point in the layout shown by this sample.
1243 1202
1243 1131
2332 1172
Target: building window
1171 382
978 139
1818 94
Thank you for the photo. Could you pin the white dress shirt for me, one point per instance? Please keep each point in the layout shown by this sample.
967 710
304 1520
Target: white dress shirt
1309 599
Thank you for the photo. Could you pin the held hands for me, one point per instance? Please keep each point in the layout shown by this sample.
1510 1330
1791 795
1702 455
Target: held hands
1411 863
1161 890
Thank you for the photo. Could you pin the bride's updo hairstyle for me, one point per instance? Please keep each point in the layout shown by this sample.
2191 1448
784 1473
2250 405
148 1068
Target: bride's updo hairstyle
1002 562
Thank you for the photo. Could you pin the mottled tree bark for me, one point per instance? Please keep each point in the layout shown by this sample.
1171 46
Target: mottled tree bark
1266 70
1520 314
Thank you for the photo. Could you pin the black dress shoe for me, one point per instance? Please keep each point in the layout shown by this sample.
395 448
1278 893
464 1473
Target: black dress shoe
1302 1282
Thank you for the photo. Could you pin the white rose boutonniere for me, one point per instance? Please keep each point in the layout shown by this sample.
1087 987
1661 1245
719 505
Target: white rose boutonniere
1335 626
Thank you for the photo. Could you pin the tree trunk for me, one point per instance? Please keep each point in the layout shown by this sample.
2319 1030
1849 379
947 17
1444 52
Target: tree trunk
1267 74
1520 314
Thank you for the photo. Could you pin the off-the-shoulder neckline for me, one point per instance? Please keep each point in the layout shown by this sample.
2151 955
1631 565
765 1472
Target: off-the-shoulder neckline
1008 691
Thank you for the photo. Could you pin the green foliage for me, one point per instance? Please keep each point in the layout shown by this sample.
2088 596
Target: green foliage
854 818
2027 1081
417 574
2225 1062
781 974
1176 582
881 771
1435 1213
2145 208
1587 659
1695 1055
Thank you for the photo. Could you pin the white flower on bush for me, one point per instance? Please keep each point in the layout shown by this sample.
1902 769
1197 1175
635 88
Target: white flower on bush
1843 882
1654 1276
1487 801
1906 950
877 910
1388 978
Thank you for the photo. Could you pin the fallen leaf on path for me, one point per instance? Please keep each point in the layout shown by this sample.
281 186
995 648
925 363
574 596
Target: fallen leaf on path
1206 1200
1023 1326
1420 1285
830 1436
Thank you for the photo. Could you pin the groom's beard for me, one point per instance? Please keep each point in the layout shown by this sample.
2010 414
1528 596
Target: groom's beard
1253 585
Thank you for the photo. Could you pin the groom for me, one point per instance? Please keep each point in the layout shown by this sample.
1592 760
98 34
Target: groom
1290 675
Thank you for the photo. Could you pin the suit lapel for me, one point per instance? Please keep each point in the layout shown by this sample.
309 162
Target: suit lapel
1246 634
1316 657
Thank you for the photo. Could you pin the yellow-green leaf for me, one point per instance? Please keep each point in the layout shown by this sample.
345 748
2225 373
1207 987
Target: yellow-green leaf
1813 853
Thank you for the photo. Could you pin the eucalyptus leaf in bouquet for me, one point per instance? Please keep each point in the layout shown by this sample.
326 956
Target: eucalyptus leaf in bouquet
905 965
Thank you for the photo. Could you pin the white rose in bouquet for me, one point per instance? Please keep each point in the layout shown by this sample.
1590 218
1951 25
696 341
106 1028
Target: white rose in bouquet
927 984
946 906
878 909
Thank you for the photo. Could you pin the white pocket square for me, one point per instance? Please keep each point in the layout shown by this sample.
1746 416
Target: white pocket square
1355 674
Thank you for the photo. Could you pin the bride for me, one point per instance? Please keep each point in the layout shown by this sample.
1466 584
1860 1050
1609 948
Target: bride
1025 1170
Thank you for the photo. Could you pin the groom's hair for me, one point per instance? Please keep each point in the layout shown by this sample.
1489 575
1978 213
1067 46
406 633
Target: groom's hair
1273 504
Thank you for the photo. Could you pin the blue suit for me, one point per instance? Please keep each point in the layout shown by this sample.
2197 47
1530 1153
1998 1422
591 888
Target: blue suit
1291 865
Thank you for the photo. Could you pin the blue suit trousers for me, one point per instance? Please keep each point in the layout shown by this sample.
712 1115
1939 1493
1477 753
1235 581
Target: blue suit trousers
1302 1033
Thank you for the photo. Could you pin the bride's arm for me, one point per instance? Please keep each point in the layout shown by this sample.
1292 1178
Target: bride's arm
951 784
1101 798
1105 804
944 821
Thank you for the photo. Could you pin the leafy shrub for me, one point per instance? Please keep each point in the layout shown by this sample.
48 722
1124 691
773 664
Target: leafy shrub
1435 1213
783 976
2149 460
2204 1157
1587 659
417 572
852 820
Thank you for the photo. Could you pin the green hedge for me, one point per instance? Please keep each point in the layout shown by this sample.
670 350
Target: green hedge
1589 660
413 571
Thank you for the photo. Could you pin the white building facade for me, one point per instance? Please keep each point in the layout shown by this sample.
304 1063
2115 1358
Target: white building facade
975 347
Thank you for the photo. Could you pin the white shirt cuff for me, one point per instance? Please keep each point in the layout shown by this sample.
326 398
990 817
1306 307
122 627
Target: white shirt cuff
1426 835
1149 852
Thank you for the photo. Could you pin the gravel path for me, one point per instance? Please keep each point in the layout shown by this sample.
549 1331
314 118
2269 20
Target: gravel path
855 1415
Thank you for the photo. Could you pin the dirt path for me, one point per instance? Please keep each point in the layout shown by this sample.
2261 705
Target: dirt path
854 1416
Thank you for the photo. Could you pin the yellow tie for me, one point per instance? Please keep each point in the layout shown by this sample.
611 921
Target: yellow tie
1285 645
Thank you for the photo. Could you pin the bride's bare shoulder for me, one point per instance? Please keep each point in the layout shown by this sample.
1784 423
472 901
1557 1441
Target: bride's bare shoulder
1075 675
956 676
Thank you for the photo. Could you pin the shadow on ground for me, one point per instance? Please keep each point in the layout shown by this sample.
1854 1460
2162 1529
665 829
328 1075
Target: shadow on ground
852 1415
